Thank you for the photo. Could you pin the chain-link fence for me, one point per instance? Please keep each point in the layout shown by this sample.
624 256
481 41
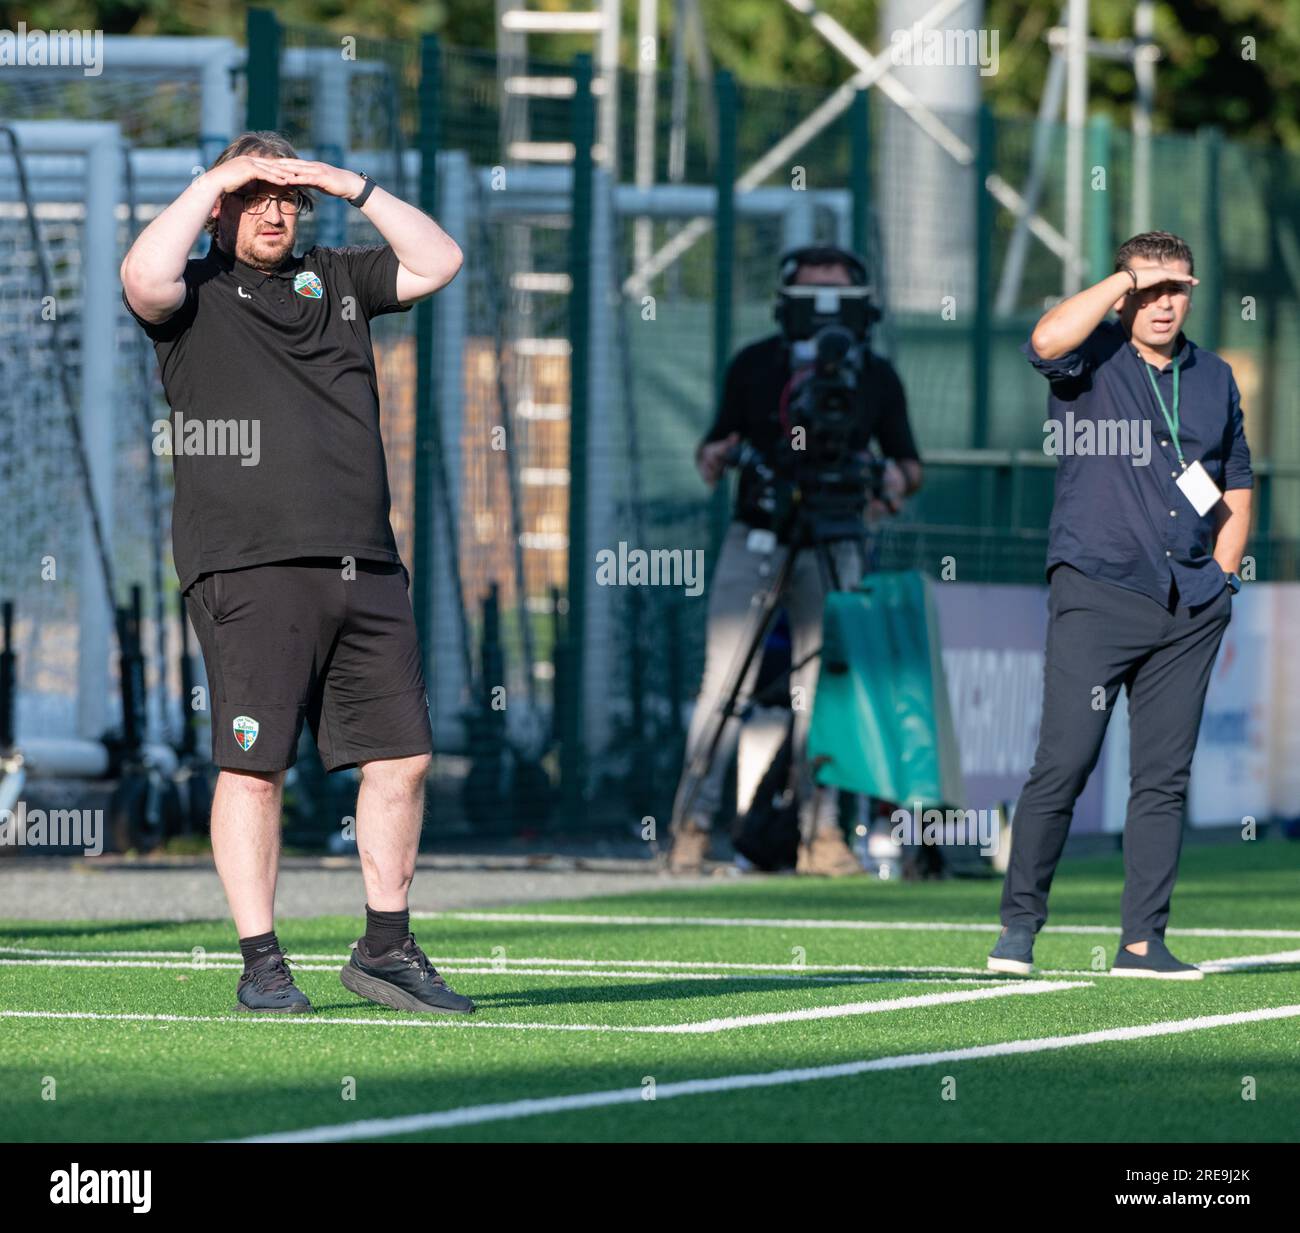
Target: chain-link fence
545 407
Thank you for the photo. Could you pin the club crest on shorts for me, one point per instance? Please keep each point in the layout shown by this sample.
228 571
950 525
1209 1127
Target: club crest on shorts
309 285
246 729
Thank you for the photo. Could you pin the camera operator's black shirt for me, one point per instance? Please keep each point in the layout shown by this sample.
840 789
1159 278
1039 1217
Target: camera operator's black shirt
752 395
289 352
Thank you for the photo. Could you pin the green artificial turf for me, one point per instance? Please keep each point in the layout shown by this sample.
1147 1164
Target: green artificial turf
238 1077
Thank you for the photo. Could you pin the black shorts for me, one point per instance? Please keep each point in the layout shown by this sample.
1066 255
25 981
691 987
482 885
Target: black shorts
299 640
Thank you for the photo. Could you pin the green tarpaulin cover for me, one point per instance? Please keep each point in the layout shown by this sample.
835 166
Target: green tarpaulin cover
881 720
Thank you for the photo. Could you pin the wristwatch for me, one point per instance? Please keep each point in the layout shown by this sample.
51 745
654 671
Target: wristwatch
1234 583
360 199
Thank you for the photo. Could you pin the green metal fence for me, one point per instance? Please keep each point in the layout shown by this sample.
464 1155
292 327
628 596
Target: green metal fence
599 387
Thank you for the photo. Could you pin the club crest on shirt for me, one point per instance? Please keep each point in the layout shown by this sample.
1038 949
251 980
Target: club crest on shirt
246 729
308 284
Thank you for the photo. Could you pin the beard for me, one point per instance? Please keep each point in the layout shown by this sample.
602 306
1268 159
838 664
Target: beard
269 254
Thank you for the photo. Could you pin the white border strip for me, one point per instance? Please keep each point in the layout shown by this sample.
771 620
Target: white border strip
477 1115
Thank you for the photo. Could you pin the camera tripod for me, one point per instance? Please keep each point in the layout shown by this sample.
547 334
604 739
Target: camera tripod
809 531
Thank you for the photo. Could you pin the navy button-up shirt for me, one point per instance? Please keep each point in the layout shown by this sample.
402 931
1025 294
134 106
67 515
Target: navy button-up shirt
1113 518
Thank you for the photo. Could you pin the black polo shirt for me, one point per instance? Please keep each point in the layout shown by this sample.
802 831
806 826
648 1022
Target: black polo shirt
756 386
1131 525
277 370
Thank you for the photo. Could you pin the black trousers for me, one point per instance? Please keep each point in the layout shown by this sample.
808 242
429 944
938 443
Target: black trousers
1099 637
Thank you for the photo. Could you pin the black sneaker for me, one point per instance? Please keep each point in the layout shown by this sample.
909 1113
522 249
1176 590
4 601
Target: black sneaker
268 988
1157 962
1014 951
402 978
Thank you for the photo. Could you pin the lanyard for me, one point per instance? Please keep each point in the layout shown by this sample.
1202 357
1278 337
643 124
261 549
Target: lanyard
1170 420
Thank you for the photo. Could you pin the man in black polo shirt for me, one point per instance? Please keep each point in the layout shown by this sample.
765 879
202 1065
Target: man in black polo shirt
757 387
1146 539
281 534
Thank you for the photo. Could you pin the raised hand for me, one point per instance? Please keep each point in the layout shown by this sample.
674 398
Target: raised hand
1154 275
333 181
236 172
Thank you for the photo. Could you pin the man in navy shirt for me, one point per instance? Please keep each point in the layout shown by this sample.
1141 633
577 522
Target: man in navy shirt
1148 527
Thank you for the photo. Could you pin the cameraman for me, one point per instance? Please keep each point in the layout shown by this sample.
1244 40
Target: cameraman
758 389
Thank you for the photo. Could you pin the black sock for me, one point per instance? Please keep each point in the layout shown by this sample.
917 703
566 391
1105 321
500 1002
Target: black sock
258 947
385 930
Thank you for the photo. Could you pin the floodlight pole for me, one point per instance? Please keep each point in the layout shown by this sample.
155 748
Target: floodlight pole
647 67
872 71
1076 117
1145 54
1141 54
1049 111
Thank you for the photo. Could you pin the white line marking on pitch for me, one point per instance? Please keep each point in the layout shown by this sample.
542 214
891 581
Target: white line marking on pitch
603 973
755 922
475 1115
703 1026
1236 962
164 954
307 1020
531 961
549 966
1030 987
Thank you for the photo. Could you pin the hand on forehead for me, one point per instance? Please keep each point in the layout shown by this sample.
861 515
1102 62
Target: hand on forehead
256 188
1159 290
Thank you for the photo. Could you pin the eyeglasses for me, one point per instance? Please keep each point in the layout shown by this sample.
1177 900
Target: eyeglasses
260 203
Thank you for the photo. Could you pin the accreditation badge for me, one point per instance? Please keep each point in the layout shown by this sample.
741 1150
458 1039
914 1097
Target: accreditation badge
1199 488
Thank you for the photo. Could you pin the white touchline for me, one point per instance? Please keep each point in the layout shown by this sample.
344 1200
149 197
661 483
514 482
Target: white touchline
1233 962
810 974
754 922
1029 987
538 965
641 973
705 1026
530 961
211 958
474 1115
305 1021
163 954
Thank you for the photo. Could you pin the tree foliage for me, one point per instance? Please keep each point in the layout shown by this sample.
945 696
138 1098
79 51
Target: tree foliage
1232 63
